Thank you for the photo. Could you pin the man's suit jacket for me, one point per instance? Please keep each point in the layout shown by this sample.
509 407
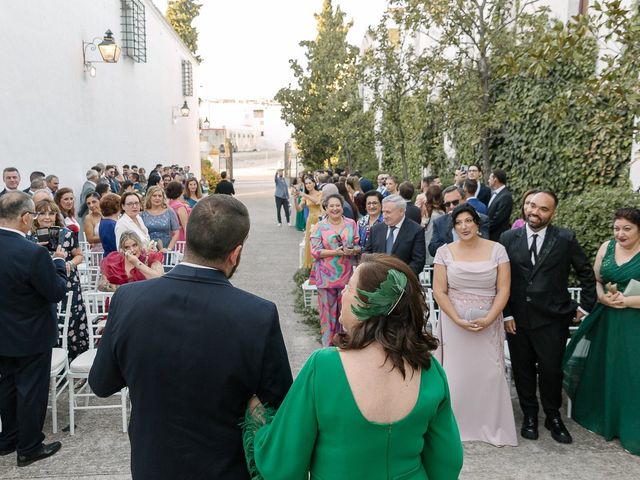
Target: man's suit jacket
87 188
366 185
413 213
483 194
499 214
31 285
225 187
408 246
192 349
478 205
539 294
442 234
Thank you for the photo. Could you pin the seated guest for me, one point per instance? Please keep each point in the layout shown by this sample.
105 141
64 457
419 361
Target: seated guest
92 221
192 192
130 204
131 263
65 200
110 209
174 192
406 191
161 221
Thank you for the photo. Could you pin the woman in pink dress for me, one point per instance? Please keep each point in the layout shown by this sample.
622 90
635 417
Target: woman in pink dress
471 284
174 193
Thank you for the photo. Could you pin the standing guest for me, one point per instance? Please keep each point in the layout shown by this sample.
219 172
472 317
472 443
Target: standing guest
500 205
36 184
297 186
433 209
110 175
41 195
603 381
135 179
424 186
349 206
540 310
130 205
526 200
356 194
126 186
110 209
224 186
154 178
469 188
204 185
406 191
443 231
382 179
471 285
92 222
459 176
88 187
131 263
166 180
31 284
160 220
376 407
398 235
174 193
230 349
334 245
49 216
102 189
365 183
483 193
281 196
53 183
192 192
65 199
312 199
391 185
11 179
142 178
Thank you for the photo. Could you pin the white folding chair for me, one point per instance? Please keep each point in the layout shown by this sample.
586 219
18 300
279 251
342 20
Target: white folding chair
92 259
171 259
434 313
96 305
309 292
576 293
60 359
89 278
180 244
425 276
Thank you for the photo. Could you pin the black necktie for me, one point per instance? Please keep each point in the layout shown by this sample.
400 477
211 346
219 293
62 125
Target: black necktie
533 251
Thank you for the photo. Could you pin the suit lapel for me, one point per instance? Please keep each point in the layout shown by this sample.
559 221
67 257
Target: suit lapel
522 247
550 239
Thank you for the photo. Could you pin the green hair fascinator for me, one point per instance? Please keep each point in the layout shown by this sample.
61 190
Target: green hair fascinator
384 299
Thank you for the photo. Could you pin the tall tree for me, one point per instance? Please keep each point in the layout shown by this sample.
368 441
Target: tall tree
325 107
180 14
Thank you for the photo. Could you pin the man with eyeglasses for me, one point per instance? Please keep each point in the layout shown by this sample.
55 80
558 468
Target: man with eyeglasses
483 193
443 231
31 284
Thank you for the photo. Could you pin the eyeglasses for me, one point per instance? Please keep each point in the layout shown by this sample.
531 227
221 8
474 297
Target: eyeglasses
132 204
455 203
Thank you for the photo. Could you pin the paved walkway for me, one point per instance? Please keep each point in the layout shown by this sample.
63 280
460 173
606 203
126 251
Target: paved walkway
99 450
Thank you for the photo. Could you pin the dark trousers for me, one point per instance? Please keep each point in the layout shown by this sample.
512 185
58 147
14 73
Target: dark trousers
282 203
24 394
538 353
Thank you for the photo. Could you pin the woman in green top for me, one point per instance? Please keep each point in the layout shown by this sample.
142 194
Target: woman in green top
601 364
377 407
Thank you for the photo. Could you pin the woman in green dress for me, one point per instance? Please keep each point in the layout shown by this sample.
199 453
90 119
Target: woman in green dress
601 364
297 187
376 407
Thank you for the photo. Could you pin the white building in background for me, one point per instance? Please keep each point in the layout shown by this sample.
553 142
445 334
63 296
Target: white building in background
250 124
59 119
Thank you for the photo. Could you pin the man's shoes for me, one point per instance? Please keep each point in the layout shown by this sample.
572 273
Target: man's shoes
558 431
290 224
43 452
529 428
7 451
279 224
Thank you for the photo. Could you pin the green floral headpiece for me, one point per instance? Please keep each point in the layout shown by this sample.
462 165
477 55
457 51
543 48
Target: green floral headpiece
384 299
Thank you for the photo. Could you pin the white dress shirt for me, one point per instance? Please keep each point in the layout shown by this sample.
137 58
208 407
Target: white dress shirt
495 193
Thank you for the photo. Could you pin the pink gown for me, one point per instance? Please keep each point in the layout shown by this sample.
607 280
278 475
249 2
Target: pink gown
474 361
177 205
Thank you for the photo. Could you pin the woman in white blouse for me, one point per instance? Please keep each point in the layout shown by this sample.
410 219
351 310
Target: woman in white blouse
130 203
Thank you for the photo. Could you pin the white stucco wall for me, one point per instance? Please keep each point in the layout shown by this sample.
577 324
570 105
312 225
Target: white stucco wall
57 119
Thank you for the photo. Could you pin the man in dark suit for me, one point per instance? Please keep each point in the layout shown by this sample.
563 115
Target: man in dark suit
540 309
11 179
190 377
443 232
483 193
88 187
398 236
31 285
365 183
500 205
224 186
412 212
470 187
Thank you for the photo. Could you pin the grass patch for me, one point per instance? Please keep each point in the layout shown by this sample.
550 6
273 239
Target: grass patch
310 315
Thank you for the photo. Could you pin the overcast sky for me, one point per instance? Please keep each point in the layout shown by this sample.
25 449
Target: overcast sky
246 44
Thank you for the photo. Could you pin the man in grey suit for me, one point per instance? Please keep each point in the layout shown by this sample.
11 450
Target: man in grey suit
88 187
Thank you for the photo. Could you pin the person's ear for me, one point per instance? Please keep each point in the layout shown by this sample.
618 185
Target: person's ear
235 255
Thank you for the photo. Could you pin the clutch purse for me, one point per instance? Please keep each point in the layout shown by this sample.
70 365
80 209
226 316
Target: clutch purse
475 313
633 289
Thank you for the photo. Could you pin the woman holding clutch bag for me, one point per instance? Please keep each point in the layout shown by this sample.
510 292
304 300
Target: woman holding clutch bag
601 364
471 284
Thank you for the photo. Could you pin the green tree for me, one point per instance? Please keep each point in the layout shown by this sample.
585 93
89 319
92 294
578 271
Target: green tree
180 14
325 107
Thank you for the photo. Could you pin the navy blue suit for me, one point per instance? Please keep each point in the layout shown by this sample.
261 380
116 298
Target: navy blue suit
442 233
408 246
366 185
483 194
192 349
478 205
31 286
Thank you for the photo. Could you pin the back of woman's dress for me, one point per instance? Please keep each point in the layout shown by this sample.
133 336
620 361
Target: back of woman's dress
320 429
312 219
474 361
602 363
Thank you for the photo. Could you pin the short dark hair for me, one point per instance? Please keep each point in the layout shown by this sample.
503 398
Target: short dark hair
477 165
430 179
10 169
471 186
97 168
628 213
174 190
166 177
465 208
102 188
223 174
551 193
217 225
125 166
452 188
500 175
14 204
406 190
37 184
109 204
95 195
136 176
124 185
36 174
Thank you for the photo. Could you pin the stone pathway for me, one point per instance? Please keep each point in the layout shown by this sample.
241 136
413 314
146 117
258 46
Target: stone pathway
99 450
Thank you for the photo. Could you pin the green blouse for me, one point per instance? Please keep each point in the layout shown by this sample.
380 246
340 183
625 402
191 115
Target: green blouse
320 429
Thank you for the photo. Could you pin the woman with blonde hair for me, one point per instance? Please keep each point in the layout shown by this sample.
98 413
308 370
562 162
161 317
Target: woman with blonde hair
160 220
